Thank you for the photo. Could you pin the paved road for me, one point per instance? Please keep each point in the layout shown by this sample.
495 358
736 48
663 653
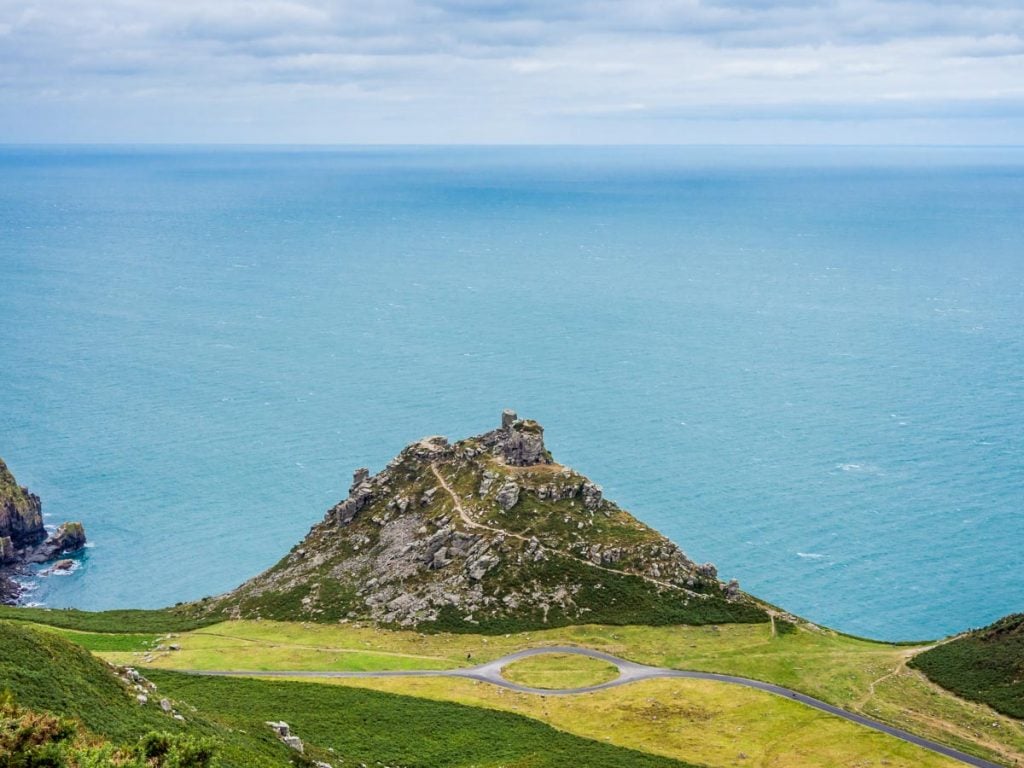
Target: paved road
629 672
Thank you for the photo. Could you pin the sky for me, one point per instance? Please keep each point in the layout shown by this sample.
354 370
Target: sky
512 71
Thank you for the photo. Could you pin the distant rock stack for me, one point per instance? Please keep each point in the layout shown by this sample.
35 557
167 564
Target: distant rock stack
21 517
23 538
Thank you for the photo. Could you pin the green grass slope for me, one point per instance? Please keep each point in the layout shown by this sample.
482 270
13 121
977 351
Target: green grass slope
31 739
373 728
116 622
44 672
986 665
47 674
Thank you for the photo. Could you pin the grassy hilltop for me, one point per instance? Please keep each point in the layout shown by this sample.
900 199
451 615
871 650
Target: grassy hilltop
488 535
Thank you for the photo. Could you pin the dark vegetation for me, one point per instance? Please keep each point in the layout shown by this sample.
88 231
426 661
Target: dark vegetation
141 621
783 627
41 740
986 665
367 726
614 598
45 674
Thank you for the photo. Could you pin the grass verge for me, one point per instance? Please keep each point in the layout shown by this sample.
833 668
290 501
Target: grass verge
560 670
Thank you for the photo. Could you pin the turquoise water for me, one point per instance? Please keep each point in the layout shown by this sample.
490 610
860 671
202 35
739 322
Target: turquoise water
805 365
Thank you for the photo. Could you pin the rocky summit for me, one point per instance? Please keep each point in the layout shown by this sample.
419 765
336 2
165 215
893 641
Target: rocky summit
485 534
23 537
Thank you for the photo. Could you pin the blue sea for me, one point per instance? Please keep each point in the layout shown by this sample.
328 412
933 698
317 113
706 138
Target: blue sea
803 364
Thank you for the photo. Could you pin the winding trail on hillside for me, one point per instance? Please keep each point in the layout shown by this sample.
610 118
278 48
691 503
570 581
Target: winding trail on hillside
470 522
629 672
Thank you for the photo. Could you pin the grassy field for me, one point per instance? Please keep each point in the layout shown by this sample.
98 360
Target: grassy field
105 642
560 670
706 723
857 674
911 701
824 664
45 673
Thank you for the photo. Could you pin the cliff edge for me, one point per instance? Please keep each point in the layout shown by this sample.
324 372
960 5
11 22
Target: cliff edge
23 537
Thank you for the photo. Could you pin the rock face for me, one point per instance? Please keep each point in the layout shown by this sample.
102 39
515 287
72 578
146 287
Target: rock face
519 441
69 537
21 513
23 538
485 532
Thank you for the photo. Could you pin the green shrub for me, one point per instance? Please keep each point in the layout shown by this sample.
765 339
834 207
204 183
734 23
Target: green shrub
160 621
31 739
371 727
986 665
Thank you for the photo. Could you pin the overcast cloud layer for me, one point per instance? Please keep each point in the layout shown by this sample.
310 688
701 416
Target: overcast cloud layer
457 71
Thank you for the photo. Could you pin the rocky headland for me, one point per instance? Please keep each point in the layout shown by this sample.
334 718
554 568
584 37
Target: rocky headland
23 537
484 534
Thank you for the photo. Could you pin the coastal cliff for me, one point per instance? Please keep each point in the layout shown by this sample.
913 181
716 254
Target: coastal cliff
21 516
23 537
485 534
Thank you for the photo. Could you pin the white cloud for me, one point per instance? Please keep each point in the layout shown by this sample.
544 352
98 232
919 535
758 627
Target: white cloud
500 69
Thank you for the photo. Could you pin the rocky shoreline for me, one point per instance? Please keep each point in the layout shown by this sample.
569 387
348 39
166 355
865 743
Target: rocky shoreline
24 540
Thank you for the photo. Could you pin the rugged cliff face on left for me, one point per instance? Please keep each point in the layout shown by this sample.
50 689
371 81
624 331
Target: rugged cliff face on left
23 538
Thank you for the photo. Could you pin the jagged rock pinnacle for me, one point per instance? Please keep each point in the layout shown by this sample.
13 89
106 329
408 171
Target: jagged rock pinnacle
520 442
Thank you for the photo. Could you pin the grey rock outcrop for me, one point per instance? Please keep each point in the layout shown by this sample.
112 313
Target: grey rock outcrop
524 445
359 477
708 570
283 731
21 515
732 589
8 552
592 496
70 537
357 501
508 495
23 539
519 442
482 530
280 728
